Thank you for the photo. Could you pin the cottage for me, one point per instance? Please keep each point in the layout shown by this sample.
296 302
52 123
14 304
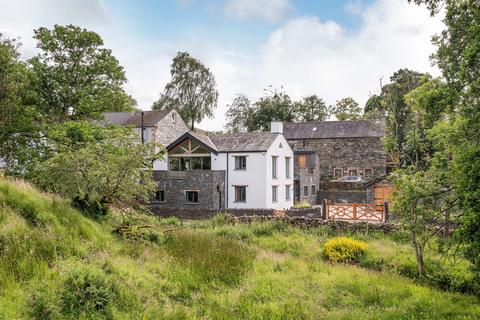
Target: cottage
218 171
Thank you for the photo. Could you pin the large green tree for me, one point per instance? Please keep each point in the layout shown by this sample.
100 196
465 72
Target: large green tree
98 167
311 108
274 104
20 136
346 109
191 91
457 132
238 114
75 77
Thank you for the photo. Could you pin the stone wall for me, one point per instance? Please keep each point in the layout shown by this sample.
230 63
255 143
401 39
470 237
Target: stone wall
204 213
306 176
176 183
168 130
346 153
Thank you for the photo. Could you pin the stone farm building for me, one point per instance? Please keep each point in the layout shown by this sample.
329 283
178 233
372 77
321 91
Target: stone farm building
261 170
215 171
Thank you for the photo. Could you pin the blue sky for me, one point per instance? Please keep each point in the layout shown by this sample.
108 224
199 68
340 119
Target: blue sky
332 48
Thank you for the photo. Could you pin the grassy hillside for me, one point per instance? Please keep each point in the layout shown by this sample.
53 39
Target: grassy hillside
56 264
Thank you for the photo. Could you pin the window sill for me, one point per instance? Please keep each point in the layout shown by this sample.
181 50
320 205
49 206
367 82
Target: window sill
239 201
240 169
191 203
156 201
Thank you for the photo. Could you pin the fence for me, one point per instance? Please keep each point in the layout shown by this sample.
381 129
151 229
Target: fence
357 212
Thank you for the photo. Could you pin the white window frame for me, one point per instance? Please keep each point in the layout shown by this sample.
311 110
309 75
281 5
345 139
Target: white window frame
274 167
287 167
288 192
274 193
235 194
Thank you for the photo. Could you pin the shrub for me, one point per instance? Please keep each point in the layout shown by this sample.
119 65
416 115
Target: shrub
210 257
344 249
85 291
302 205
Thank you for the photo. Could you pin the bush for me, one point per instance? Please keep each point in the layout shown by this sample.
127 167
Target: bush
302 205
343 249
85 291
210 257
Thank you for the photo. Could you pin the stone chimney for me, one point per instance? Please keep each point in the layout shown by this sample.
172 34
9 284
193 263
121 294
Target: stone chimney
276 126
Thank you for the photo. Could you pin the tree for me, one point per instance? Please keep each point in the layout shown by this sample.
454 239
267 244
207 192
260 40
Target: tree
374 108
75 77
311 108
456 134
238 114
346 109
274 104
191 91
97 167
20 139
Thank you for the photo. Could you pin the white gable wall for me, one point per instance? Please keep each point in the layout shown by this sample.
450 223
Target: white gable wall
281 181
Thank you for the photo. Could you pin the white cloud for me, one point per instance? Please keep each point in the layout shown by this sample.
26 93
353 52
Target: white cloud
267 10
305 55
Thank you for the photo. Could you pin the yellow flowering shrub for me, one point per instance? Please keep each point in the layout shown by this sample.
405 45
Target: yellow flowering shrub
344 249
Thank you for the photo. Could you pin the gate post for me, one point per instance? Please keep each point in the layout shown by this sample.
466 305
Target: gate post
324 209
385 211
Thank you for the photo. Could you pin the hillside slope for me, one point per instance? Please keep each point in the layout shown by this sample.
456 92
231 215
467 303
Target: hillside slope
58 264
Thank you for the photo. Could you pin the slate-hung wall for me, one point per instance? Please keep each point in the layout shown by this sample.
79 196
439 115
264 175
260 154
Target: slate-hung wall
346 154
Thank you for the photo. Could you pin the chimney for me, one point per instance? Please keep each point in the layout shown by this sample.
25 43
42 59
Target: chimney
276 126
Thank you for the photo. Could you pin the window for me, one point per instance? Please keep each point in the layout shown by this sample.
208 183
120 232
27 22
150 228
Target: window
353 172
240 193
189 163
305 190
337 172
313 190
160 196
368 173
191 196
274 167
241 163
274 193
288 191
287 167
173 116
302 161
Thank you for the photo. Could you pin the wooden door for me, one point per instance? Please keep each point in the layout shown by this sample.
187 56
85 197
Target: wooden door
383 194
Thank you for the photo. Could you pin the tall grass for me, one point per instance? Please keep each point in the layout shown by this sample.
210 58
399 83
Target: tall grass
213 259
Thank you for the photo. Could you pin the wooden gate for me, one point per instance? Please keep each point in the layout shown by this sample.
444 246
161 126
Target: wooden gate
356 212
383 194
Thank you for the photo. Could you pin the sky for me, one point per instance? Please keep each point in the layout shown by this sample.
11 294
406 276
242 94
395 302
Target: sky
331 48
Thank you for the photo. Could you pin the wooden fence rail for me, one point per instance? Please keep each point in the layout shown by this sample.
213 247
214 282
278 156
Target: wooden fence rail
356 212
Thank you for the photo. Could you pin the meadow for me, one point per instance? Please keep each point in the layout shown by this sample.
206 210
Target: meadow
57 263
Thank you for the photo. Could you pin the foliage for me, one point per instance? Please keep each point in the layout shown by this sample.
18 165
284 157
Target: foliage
75 77
456 135
209 257
19 119
346 109
311 108
238 114
98 167
302 205
283 280
343 249
191 91
274 104
86 290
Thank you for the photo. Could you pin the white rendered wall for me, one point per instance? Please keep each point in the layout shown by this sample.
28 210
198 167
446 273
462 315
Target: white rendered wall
281 180
253 178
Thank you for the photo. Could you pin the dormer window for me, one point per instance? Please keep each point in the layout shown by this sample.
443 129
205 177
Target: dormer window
173 116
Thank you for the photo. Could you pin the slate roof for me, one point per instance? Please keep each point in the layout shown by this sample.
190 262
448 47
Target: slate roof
334 129
247 141
150 118
201 138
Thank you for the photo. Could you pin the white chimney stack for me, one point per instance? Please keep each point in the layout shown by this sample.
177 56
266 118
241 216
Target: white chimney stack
276 126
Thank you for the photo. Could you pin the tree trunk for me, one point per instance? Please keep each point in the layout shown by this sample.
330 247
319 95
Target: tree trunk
418 254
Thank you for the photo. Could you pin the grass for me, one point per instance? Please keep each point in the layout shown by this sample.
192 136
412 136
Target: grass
58 264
